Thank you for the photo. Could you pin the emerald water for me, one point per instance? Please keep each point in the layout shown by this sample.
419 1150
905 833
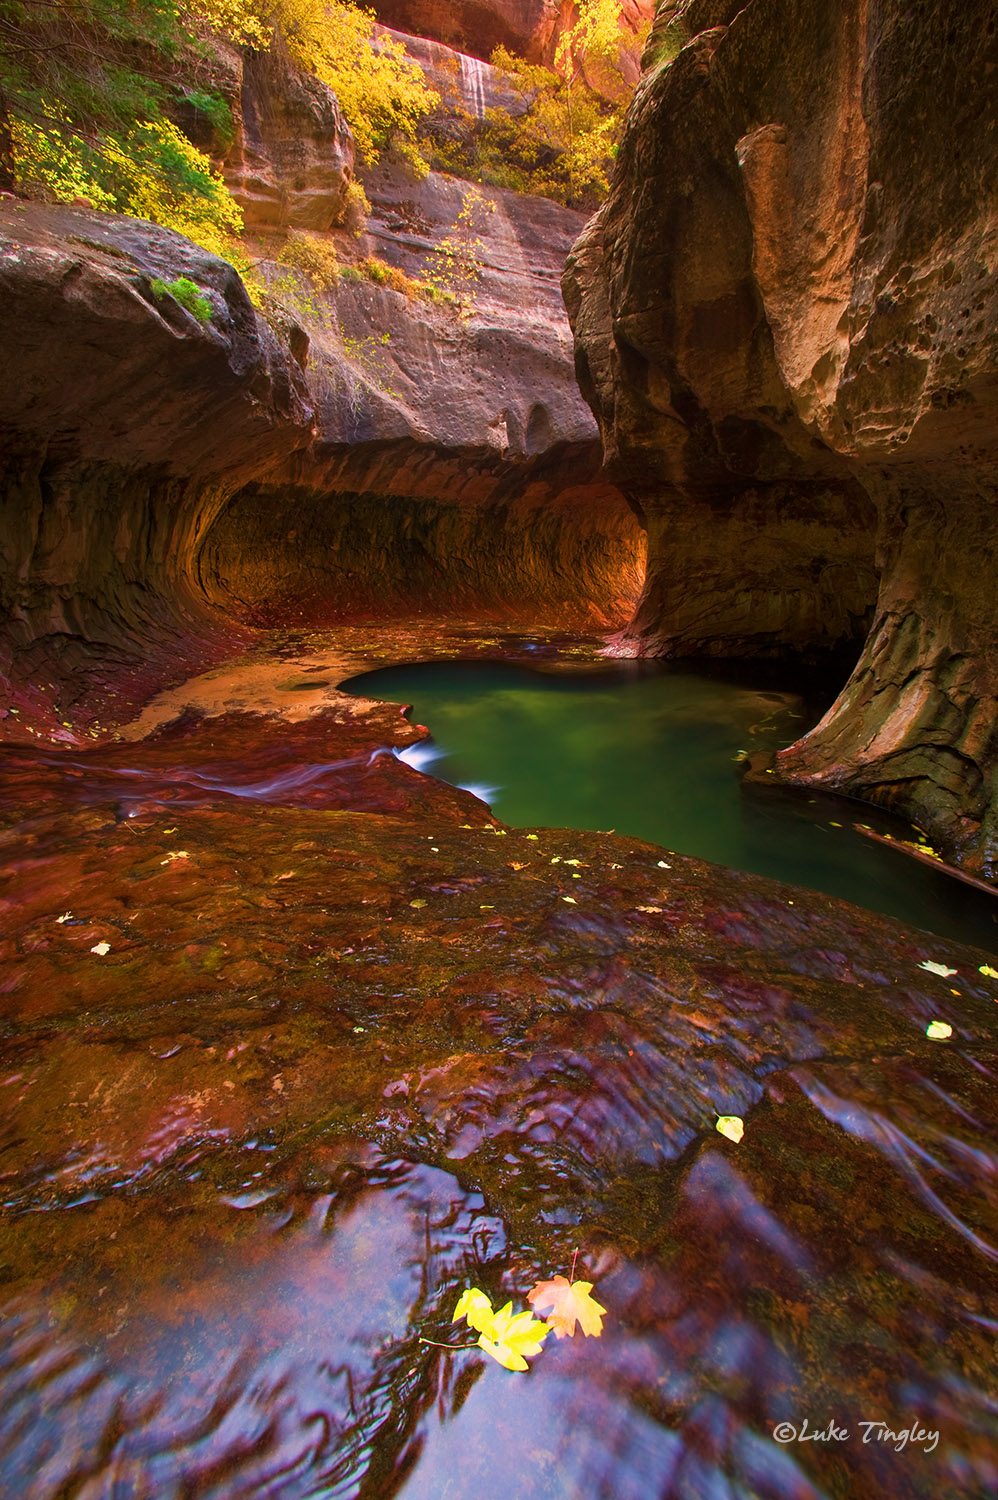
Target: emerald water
651 750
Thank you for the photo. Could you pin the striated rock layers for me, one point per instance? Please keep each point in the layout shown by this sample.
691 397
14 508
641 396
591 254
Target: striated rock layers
785 322
168 478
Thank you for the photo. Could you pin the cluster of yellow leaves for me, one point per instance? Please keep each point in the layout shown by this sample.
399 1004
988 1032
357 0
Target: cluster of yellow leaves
123 178
383 93
509 1337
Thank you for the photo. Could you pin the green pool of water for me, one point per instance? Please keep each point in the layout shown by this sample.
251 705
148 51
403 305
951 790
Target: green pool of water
651 750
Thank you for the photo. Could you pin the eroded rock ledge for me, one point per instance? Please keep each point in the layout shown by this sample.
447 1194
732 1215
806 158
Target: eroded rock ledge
171 482
785 324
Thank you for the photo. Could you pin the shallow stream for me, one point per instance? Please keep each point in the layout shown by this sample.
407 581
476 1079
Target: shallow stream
298 1044
652 751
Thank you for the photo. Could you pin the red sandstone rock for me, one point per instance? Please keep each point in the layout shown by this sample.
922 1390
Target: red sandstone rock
785 323
452 468
292 158
529 28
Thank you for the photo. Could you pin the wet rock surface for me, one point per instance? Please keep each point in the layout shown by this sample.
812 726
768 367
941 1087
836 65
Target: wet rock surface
297 1043
785 324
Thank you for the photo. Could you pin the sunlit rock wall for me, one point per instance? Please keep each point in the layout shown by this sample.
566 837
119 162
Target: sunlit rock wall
169 481
528 28
785 323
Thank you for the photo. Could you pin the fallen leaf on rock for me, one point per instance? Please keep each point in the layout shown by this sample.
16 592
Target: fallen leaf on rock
935 968
649 908
67 915
732 1126
938 1031
565 1303
101 948
418 902
985 969
571 900
663 866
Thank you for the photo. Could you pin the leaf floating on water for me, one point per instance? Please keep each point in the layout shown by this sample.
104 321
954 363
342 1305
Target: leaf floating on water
935 968
938 1031
565 1303
101 948
476 1307
733 1126
515 1335
985 969
505 1336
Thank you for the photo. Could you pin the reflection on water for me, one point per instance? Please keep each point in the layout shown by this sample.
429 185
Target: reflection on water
652 752
296 1045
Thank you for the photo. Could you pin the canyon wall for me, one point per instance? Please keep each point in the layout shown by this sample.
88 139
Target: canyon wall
528 28
170 482
785 322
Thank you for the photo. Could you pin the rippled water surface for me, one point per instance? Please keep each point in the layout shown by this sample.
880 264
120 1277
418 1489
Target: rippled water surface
297 1044
651 752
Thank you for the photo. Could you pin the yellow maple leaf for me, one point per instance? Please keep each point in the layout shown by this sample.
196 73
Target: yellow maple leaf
513 1336
476 1307
504 1335
565 1303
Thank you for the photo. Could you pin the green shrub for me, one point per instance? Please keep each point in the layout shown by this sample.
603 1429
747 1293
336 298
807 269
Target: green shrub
186 292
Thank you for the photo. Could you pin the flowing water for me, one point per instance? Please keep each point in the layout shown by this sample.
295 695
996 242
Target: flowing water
652 751
297 1044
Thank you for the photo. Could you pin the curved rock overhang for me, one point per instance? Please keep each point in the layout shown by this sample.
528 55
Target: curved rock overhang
785 324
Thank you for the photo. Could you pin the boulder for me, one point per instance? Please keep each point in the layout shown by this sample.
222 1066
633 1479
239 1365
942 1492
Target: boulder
785 324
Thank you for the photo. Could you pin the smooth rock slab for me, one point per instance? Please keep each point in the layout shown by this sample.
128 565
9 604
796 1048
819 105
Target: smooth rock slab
338 1062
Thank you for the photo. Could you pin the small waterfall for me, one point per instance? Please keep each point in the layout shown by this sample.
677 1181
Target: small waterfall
473 85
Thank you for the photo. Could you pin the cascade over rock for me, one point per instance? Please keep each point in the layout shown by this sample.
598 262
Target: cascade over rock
530 28
785 324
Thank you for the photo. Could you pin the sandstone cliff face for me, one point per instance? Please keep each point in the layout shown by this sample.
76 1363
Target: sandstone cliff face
168 481
457 465
785 322
292 158
126 424
529 28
